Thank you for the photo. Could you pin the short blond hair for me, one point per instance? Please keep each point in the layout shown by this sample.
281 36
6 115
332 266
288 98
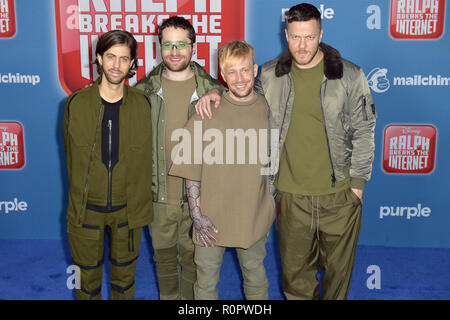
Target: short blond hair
235 49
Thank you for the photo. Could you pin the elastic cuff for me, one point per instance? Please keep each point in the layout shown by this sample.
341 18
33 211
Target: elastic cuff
357 183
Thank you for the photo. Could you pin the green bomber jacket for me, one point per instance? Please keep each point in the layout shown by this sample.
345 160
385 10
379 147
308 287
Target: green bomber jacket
348 111
151 85
81 131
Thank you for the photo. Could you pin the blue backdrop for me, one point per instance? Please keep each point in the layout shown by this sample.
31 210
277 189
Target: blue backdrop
402 46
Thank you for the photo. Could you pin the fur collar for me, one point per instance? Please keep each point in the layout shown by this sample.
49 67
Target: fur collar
333 68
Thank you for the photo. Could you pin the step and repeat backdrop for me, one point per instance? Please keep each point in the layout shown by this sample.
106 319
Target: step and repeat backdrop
403 46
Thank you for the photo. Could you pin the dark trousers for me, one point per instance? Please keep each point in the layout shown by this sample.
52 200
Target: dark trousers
87 250
318 231
174 251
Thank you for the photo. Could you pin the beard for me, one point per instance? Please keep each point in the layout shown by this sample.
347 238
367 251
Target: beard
305 62
241 95
183 65
113 80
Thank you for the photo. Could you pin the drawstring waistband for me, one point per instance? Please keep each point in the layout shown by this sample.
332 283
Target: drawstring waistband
312 214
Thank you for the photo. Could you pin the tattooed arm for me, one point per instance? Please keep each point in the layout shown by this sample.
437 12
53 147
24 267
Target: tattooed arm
202 224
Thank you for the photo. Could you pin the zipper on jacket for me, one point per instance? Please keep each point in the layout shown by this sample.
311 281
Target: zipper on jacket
157 148
109 200
333 176
364 111
280 135
285 111
183 184
89 164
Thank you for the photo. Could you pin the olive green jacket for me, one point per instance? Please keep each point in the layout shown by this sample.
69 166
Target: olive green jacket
348 111
151 85
82 141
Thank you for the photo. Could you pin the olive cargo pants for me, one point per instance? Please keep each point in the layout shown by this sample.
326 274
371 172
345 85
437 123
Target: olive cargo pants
87 250
251 260
173 251
318 231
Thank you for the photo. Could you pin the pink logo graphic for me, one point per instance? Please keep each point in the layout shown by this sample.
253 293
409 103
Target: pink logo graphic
80 23
409 149
12 150
417 19
7 19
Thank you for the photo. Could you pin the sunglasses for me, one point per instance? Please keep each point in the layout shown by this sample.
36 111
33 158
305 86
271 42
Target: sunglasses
179 45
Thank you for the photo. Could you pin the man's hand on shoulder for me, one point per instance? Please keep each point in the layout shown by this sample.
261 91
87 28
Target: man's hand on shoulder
203 106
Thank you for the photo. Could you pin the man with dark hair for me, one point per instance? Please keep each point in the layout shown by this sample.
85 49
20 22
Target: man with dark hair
177 22
322 106
111 39
173 87
108 139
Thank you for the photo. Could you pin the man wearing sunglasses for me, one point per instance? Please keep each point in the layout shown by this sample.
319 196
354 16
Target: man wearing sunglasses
174 86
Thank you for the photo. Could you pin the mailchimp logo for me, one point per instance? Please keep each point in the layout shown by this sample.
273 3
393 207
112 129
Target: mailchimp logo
19 78
378 80
12 150
7 19
417 19
409 149
80 23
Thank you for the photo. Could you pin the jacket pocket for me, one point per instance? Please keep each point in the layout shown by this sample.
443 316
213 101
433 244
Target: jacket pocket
141 133
79 139
86 245
138 143
81 131
368 107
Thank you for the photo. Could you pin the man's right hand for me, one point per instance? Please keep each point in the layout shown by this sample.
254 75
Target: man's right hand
202 226
201 223
203 105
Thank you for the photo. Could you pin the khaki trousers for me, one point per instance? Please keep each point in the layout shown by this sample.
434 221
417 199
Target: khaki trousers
318 231
87 250
173 251
209 261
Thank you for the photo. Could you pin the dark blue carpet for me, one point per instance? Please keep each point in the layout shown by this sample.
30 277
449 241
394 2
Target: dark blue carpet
37 270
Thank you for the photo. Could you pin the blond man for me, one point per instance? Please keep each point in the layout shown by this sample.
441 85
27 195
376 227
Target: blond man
229 199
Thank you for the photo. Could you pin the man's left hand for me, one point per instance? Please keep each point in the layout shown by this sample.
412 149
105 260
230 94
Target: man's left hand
359 193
